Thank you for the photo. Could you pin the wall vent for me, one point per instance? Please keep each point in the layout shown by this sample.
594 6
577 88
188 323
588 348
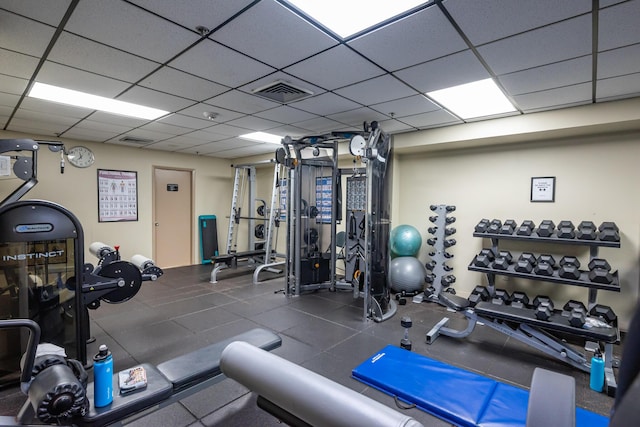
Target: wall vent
135 140
282 92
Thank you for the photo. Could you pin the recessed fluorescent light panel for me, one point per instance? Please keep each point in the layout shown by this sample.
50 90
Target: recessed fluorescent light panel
262 137
94 102
472 100
348 17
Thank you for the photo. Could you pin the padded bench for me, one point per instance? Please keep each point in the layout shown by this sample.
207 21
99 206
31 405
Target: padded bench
232 259
171 377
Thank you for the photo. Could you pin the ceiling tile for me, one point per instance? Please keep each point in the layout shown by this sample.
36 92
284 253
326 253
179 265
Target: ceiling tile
171 144
253 123
102 126
565 73
266 31
72 78
49 12
23 35
406 106
8 100
158 126
293 131
240 101
431 119
30 126
78 52
228 130
62 122
54 108
326 103
319 125
394 126
286 114
334 68
418 38
554 98
197 111
80 133
220 64
182 84
13 85
153 98
618 87
246 151
116 119
618 25
147 134
452 70
557 42
355 118
379 89
186 121
209 13
619 61
129 28
204 135
489 20
216 147
16 64
607 3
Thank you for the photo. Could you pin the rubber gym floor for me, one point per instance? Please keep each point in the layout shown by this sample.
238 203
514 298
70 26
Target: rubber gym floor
321 331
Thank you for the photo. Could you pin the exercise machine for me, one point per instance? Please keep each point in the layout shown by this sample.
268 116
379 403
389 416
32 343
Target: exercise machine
263 224
58 392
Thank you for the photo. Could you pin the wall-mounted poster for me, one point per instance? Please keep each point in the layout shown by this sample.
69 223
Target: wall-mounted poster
117 195
324 203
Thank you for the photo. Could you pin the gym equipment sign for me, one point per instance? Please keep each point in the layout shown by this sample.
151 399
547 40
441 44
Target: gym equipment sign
543 189
117 195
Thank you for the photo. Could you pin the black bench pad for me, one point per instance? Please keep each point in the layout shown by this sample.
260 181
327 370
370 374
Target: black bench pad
204 363
228 258
556 322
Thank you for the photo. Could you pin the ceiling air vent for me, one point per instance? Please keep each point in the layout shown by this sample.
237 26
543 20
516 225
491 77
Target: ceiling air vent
281 91
135 140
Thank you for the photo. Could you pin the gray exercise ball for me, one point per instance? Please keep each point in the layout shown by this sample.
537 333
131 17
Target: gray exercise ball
406 273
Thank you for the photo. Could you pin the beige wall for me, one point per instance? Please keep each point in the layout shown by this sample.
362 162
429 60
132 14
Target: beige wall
596 179
76 190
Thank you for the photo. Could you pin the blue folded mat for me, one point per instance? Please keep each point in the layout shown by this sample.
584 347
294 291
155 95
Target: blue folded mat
460 397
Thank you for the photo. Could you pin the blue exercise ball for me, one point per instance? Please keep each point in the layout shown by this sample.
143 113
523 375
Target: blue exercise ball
406 273
405 240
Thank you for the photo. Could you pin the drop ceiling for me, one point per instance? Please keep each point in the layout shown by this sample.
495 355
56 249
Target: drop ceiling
544 54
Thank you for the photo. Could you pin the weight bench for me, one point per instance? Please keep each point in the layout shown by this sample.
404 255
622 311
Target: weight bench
523 325
230 260
167 383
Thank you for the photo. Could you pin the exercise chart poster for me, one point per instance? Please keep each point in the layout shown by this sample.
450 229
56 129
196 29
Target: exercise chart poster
117 195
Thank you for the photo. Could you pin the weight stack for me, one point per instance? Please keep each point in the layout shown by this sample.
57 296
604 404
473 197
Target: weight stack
439 277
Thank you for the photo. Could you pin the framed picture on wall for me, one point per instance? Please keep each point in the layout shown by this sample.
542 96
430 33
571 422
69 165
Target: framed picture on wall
117 195
543 189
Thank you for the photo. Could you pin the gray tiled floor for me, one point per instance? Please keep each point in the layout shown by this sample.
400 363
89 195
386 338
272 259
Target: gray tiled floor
322 331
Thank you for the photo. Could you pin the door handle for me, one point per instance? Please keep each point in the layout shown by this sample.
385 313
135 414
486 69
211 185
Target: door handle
157 224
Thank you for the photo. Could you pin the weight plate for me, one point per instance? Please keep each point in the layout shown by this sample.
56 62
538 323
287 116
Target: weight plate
132 281
311 236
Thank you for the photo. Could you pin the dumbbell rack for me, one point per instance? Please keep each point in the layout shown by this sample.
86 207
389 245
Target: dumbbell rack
440 279
522 324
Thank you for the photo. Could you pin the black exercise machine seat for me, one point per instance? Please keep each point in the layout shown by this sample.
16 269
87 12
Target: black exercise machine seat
231 259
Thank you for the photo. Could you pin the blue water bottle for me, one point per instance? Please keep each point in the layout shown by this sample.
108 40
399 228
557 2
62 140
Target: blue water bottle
102 377
596 380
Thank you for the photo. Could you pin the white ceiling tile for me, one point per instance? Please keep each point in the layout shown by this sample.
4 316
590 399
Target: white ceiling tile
394 126
49 12
431 119
13 85
334 68
286 114
266 31
197 111
418 38
171 144
34 127
16 64
158 126
568 95
205 136
129 28
186 121
71 78
116 119
182 84
326 103
293 131
607 3
565 73
406 106
452 70
228 130
216 147
154 99
379 89
102 126
619 61
8 99
148 134
319 125
240 101
209 13
78 52
356 117
54 108
45 117
618 87
23 35
618 25
220 64
557 42
254 123
246 151
489 20
83 134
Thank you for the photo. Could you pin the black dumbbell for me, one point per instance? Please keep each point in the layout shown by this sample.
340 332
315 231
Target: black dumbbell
406 323
448 280
432 230
449 242
599 271
507 255
566 230
450 208
546 258
432 241
508 227
479 293
543 307
546 228
609 232
526 228
540 299
431 265
429 278
482 260
450 220
570 305
577 317
482 226
604 312
502 294
586 231
501 263
543 269
450 231
528 256
494 226
520 299
569 268
523 266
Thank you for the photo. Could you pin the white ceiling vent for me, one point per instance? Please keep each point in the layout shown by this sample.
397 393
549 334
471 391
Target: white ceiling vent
135 140
281 91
